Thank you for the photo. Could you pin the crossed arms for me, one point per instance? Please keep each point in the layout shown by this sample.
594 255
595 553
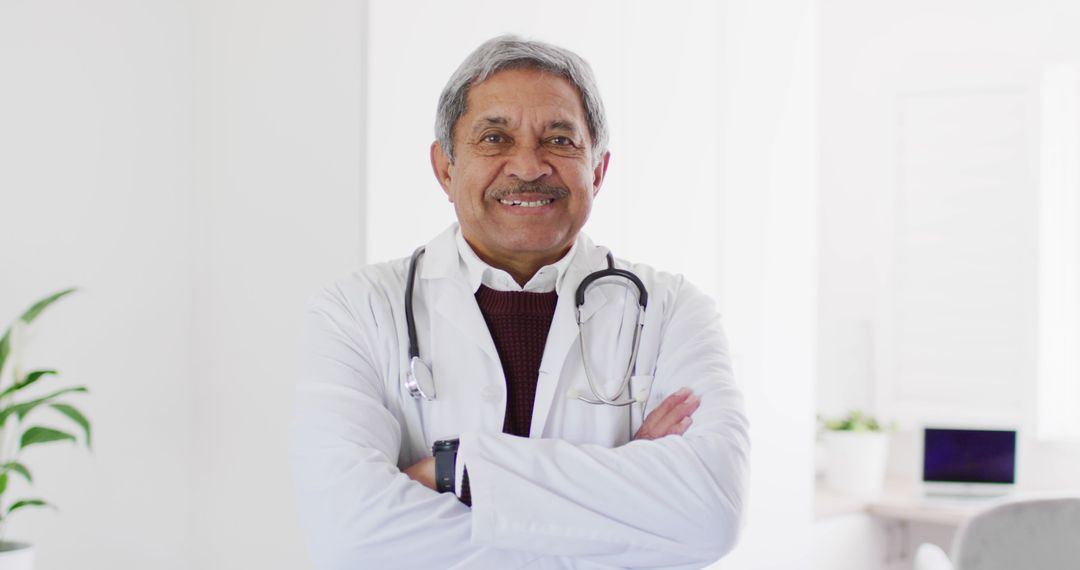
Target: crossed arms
672 417
671 502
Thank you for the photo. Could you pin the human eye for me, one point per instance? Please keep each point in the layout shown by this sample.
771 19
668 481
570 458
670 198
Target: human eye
494 138
561 141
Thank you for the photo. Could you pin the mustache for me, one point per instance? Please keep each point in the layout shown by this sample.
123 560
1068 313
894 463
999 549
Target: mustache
530 188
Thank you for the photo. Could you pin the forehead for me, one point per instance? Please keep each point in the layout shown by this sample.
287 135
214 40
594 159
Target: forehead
524 95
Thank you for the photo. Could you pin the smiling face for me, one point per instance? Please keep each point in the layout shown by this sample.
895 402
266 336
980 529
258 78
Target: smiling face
524 175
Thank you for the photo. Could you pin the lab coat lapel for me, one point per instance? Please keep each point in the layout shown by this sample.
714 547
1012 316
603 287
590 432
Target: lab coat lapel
451 298
564 330
454 304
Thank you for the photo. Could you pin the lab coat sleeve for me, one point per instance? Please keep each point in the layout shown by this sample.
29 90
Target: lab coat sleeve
356 508
675 501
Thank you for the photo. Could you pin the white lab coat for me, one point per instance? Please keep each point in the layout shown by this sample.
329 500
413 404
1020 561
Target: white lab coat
575 494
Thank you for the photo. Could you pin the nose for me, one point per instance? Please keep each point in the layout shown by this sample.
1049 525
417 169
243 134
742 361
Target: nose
527 163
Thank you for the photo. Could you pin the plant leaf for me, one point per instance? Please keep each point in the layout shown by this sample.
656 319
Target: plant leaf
26 407
28 317
3 483
76 416
26 503
30 379
38 434
18 468
36 309
5 348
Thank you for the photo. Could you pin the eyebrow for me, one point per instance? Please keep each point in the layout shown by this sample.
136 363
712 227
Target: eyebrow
557 124
490 122
563 125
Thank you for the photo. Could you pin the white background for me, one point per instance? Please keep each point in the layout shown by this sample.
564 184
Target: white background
200 167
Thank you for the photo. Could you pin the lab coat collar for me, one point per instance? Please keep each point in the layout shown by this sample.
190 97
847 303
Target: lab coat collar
443 261
440 256
477 272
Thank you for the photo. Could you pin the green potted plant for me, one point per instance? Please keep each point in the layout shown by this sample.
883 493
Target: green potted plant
857 452
17 433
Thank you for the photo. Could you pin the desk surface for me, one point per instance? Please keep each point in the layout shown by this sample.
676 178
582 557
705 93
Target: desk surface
902 500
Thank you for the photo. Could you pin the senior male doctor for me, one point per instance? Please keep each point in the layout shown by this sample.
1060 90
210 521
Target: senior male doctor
530 468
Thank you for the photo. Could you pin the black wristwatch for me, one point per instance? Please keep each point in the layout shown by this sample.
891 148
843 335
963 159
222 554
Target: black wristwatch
445 452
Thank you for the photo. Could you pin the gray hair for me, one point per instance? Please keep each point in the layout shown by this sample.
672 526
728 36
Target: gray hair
513 52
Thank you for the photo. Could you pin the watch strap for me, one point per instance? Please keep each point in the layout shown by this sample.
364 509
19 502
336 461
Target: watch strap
445 452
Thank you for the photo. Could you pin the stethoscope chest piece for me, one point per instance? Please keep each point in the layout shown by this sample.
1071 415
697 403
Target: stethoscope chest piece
419 380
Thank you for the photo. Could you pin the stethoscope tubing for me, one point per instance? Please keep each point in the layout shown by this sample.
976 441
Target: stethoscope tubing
410 321
419 379
579 301
579 295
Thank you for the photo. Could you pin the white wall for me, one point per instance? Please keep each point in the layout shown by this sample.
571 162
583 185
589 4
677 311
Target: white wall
195 167
95 170
278 110
876 59
769 273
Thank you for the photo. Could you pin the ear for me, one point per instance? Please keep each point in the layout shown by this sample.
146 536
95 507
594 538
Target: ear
599 171
442 167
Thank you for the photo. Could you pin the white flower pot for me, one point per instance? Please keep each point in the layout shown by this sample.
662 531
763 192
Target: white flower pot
856 461
16 556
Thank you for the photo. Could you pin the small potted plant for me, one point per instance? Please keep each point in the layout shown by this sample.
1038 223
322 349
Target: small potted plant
857 452
17 407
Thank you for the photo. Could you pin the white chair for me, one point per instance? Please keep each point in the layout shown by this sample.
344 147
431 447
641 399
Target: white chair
1039 534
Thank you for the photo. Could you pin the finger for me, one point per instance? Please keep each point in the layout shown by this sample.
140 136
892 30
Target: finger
670 412
681 427
671 401
678 428
685 409
676 413
659 414
654 426
679 419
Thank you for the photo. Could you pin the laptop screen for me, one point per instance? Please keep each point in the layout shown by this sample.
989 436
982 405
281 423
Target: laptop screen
969 456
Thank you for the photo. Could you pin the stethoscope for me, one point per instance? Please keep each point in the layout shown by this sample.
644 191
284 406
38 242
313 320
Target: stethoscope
421 384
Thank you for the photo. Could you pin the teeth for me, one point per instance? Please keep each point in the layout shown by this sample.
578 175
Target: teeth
535 204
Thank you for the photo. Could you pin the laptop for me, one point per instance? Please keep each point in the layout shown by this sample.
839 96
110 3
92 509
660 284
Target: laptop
974 463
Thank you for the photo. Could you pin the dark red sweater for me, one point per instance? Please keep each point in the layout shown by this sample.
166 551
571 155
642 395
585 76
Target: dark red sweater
519 323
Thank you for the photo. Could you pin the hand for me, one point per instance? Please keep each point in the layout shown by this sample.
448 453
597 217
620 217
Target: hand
423 472
671 417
